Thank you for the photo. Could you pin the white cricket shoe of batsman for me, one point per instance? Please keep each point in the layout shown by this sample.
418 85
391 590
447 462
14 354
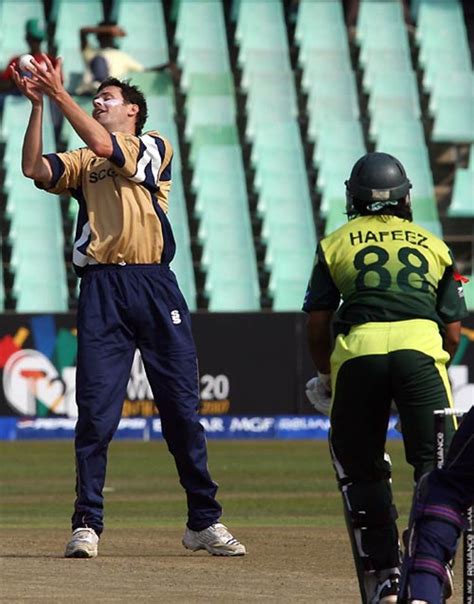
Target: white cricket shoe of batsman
318 391
83 544
216 539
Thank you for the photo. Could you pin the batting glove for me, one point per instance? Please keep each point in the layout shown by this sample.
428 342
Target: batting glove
318 391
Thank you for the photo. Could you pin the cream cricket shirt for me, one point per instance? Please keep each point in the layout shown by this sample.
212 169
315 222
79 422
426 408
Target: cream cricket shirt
123 200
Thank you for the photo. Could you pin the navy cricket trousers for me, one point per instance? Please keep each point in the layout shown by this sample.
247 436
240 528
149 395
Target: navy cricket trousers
453 485
122 308
449 491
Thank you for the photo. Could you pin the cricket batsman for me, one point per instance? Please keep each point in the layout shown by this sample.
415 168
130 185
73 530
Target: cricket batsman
384 306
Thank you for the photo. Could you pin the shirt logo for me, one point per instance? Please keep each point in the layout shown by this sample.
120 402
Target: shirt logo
175 317
101 174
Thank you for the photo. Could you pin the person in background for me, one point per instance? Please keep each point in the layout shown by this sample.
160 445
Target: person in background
384 307
34 37
107 60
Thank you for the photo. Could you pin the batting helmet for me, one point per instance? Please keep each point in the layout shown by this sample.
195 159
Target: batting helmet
376 178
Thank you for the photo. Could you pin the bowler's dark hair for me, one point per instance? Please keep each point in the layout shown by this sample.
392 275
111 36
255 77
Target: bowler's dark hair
131 94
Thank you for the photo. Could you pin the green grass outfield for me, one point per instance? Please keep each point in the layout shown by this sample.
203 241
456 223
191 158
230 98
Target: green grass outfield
262 483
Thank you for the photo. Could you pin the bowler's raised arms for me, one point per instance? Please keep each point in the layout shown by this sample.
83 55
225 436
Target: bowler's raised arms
34 165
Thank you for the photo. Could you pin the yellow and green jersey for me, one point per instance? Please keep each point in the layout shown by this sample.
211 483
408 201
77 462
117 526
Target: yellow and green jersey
385 268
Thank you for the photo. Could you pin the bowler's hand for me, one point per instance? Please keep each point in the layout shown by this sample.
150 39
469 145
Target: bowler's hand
27 86
48 78
318 391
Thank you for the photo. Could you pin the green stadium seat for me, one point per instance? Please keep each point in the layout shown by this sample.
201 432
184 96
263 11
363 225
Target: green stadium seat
2 286
289 278
316 15
215 161
197 61
399 84
401 133
269 135
328 110
231 274
152 83
37 251
339 136
261 25
288 239
469 292
268 167
211 84
372 57
444 62
274 195
284 207
444 16
376 16
265 59
329 83
336 214
210 135
261 80
397 108
224 228
330 38
452 84
16 111
462 203
453 120
387 36
207 111
182 264
322 61
146 39
40 287
443 52
288 295
330 184
200 26
281 110
13 16
401 89
284 105
320 27
377 61
68 135
71 16
232 296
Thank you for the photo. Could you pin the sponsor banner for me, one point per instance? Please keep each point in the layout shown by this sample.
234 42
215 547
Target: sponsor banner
251 365
316 427
58 428
216 427
226 427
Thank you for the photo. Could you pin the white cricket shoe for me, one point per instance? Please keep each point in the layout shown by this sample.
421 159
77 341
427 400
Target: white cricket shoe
216 539
83 544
